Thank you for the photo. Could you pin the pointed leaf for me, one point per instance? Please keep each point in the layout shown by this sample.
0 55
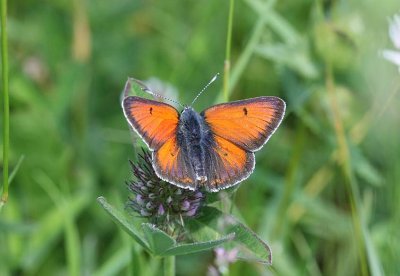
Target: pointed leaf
134 87
189 248
48 233
363 167
253 243
251 246
15 170
121 221
159 241
295 57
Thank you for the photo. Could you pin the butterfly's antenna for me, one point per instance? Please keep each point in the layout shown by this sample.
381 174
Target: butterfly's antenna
205 87
147 90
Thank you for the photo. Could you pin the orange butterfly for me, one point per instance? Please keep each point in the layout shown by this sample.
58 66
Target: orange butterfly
213 149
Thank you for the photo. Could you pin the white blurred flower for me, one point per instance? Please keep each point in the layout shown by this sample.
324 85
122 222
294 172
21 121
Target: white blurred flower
392 56
394 30
394 34
36 69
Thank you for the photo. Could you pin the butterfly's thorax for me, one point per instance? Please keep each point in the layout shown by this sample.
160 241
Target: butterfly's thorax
193 135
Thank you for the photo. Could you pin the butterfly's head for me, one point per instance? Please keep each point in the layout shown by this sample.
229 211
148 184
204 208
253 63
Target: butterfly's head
187 112
189 118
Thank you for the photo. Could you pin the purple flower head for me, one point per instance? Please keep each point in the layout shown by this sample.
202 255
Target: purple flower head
223 258
158 200
161 210
144 213
185 205
139 199
191 212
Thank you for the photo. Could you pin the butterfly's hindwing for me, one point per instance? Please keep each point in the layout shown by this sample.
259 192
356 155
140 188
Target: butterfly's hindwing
227 164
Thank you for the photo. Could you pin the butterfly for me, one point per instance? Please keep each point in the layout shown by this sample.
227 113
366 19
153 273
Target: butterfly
213 149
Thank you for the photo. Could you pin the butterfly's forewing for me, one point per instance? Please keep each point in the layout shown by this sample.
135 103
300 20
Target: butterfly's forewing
246 123
155 122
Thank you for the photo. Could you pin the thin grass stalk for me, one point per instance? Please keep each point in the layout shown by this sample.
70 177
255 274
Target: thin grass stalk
169 266
244 58
134 267
72 250
6 110
290 182
227 62
345 164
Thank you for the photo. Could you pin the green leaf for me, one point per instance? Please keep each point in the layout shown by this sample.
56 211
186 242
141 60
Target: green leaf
189 248
335 44
253 243
251 246
47 234
115 263
15 170
159 241
134 87
295 57
11 177
372 254
363 167
204 227
120 220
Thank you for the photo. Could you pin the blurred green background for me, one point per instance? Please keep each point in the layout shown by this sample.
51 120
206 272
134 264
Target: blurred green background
326 189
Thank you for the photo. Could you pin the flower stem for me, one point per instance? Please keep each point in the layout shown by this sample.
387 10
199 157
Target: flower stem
345 164
227 62
244 58
6 111
169 266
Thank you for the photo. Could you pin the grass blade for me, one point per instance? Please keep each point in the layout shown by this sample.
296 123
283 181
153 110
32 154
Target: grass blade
6 108
120 220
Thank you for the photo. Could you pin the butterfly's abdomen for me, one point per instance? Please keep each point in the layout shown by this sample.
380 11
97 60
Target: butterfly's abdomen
192 134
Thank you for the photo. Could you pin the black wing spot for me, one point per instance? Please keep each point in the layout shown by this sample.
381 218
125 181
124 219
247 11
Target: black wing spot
225 154
245 111
172 154
151 111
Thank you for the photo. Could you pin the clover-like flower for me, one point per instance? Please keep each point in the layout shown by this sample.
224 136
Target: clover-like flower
223 258
164 204
394 34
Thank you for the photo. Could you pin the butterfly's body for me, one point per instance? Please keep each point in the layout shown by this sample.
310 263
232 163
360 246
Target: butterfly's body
213 149
194 137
